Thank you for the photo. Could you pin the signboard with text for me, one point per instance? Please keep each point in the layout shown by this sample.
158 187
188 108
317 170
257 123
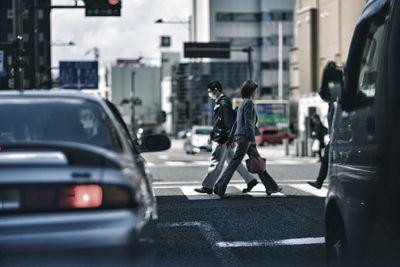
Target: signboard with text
79 74
3 71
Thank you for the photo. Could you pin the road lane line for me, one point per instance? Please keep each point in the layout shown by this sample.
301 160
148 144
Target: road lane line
226 257
311 190
258 191
272 243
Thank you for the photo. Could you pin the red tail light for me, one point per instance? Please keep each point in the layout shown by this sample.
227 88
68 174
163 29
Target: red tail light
52 198
81 196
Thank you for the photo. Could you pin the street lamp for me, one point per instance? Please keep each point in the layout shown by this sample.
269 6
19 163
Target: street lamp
70 43
189 25
186 22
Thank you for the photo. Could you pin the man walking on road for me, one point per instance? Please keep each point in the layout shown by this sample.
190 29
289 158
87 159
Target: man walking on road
224 116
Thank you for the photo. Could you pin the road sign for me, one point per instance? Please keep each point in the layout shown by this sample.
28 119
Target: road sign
3 71
207 50
79 74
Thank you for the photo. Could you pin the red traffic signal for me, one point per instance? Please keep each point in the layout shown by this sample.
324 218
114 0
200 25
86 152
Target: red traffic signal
114 2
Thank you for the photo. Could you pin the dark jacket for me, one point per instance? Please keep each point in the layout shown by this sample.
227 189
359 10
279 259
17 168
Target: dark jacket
223 120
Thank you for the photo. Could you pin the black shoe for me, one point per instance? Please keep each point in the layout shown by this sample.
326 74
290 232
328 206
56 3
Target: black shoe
250 186
269 192
315 184
221 195
203 190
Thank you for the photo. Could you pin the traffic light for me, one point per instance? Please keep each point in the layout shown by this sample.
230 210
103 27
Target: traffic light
94 8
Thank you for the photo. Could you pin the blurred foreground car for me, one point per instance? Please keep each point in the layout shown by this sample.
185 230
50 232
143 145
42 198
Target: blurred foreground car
363 203
74 189
196 140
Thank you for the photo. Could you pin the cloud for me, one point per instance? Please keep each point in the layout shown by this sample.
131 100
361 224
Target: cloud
131 35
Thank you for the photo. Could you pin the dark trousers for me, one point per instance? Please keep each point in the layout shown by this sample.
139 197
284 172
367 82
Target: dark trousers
323 170
241 150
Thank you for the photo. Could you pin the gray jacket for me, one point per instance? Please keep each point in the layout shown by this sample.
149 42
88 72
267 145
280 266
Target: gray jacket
245 121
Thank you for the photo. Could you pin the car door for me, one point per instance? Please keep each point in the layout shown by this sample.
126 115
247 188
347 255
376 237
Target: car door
355 143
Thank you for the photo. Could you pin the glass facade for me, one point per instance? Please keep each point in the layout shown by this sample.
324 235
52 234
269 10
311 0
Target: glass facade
274 15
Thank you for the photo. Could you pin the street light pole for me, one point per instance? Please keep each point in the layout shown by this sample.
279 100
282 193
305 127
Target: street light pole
133 124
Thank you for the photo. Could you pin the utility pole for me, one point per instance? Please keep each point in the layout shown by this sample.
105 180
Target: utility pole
133 122
280 59
18 44
249 50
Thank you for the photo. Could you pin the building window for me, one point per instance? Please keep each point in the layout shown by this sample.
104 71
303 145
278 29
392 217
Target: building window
266 91
40 14
277 15
10 14
41 37
25 37
238 17
10 37
274 65
273 40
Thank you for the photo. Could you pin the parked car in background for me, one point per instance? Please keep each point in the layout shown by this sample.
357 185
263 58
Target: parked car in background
74 188
196 140
273 135
363 202
182 134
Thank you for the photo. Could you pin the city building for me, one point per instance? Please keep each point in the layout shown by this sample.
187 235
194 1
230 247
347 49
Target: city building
190 101
254 23
141 84
323 31
37 71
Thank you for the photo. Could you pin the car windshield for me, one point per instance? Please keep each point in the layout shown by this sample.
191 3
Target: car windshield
29 119
205 131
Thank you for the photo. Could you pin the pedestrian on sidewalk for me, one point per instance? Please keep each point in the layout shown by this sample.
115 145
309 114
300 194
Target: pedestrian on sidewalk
224 117
243 133
318 134
324 93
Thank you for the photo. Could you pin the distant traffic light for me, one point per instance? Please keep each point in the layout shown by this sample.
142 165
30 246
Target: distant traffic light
162 116
94 8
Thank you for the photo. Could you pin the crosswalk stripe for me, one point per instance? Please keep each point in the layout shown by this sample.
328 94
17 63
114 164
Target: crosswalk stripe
311 190
193 195
206 162
257 192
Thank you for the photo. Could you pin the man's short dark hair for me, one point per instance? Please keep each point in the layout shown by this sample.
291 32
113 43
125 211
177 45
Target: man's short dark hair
248 87
215 84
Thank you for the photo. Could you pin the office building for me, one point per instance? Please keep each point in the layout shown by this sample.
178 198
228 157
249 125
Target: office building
37 71
252 23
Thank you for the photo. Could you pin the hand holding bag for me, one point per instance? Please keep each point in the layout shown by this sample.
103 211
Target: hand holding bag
255 164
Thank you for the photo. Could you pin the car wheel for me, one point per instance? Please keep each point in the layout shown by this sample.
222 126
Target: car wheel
261 144
336 244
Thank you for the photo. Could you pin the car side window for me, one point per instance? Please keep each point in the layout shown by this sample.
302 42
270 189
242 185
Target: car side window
371 54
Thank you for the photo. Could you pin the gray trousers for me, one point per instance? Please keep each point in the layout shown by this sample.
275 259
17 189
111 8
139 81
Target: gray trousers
243 147
219 154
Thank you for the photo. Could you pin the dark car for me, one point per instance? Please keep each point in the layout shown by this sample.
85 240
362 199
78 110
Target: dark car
363 201
74 189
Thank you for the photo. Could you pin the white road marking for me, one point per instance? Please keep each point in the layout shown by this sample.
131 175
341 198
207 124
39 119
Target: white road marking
189 192
239 182
164 157
173 163
206 162
311 190
226 257
272 243
258 191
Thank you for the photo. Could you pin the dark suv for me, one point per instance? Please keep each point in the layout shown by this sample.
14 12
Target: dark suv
363 201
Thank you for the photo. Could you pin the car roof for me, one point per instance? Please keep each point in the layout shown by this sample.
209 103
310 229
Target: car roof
50 93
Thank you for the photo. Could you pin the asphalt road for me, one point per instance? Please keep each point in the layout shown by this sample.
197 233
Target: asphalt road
245 229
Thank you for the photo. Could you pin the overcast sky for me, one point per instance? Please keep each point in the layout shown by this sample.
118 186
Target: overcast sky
132 35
